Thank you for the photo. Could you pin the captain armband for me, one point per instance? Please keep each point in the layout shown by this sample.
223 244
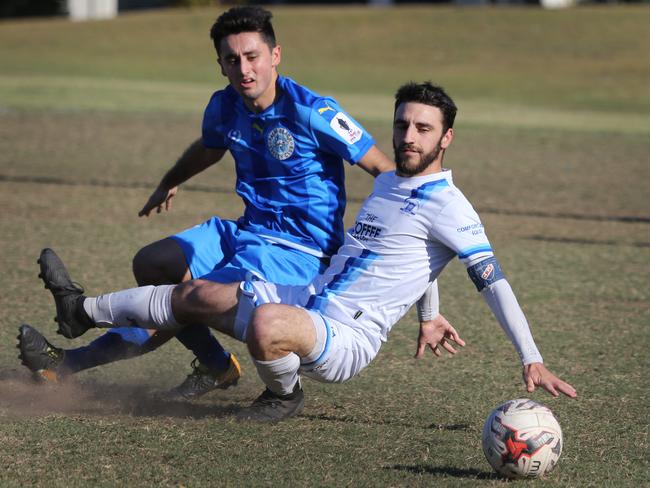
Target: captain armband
485 272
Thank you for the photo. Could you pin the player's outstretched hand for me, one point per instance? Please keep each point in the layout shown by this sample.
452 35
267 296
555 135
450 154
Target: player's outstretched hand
536 374
159 199
437 334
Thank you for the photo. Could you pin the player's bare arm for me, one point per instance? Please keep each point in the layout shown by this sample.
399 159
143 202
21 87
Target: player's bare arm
194 160
375 162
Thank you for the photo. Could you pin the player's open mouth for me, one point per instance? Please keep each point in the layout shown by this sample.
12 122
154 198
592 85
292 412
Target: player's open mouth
246 83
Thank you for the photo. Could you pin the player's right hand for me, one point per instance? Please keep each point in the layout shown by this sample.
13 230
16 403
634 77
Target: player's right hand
437 334
536 374
159 199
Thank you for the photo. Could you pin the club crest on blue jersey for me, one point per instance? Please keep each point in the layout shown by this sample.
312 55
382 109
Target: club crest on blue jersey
280 143
411 206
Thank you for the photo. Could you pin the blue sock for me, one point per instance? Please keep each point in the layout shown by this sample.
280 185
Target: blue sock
199 340
116 344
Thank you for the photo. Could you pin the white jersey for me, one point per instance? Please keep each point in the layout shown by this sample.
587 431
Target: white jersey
407 230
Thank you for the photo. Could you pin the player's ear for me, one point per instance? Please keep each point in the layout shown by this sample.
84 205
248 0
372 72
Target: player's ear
221 66
276 56
445 142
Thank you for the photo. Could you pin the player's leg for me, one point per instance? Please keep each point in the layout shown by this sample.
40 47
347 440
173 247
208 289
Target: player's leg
165 262
285 341
51 363
147 307
116 344
161 263
245 255
278 336
203 247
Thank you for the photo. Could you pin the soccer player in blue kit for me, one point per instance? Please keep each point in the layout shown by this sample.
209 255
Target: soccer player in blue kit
288 144
412 225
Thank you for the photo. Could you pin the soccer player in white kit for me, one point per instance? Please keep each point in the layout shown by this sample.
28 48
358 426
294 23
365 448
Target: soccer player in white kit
414 222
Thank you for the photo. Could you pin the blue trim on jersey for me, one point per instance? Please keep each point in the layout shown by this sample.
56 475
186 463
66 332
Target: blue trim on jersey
352 268
470 251
323 354
423 192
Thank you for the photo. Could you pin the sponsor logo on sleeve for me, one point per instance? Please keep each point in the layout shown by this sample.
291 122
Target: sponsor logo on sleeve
346 128
487 272
474 229
324 109
234 135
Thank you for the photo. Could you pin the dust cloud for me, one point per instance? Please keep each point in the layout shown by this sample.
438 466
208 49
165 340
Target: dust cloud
23 396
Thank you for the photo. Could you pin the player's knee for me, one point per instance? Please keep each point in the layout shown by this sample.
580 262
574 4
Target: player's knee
264 328
185 300
194 300
159 263
144 267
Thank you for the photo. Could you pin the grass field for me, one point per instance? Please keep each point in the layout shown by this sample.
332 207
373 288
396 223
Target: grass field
553 137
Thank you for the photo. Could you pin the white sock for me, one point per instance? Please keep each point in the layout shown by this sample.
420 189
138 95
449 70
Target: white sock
149 307
280 375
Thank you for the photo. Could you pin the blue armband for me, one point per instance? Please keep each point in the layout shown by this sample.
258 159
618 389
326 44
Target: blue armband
485 272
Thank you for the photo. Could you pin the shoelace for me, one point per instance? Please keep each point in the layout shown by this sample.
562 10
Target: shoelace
73 287
267 399
198 374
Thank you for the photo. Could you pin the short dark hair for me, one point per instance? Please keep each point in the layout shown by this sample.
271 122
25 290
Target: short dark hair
243 19
428 94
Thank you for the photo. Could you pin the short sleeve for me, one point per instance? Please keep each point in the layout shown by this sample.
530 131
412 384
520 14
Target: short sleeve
337 132
459 227
212 123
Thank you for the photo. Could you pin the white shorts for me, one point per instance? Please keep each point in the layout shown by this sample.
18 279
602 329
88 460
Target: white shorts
346 350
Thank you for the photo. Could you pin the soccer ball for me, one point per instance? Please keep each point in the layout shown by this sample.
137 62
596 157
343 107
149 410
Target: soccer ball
522 439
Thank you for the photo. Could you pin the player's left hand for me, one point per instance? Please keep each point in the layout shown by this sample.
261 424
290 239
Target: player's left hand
536 374
437 334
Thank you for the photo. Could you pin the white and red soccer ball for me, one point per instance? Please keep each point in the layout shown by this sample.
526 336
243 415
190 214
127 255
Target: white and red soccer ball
522 439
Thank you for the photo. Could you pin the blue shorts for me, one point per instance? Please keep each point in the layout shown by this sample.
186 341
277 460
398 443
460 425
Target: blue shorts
218 250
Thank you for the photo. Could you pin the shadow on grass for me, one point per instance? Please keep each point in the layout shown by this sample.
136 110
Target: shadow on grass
353 420
445 471
20 395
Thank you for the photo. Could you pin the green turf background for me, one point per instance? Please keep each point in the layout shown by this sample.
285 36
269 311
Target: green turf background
552 147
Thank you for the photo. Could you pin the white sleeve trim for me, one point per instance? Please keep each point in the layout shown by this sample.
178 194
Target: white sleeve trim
503 303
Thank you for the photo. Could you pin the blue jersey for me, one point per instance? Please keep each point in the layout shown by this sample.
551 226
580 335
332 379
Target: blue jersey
289 163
